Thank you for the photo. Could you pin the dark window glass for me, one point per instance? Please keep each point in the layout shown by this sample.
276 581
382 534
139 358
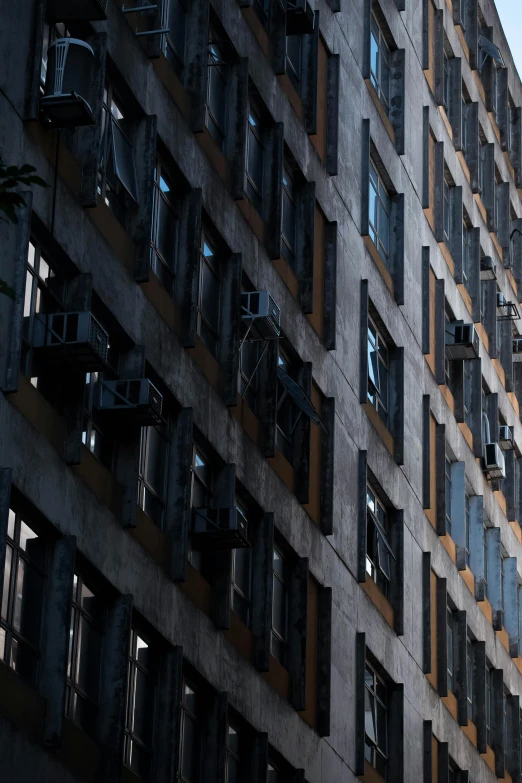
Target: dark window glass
375 720
189 757
450 635
140 706
378 371
255 161
242 576
289 220
294 44
448 492
23 593
380 64
378 555
209 295
154 450
165 228
288 414
85 649
94 436
279 606
379 214
175 20
470 661
217 91
233 763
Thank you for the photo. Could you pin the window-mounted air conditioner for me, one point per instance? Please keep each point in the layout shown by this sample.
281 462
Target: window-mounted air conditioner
69 10
258 306
300 18
505 438
77 338
494 463
462 342
219 528
70 84
136 400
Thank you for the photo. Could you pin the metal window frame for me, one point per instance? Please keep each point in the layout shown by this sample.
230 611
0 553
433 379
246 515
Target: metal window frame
284 582
383 57
251 129
168 42
218 65
289 192
142 481
373 694
135 665
381 187
379 339
7 623
381 535
234 587
216 270
173 207
186 711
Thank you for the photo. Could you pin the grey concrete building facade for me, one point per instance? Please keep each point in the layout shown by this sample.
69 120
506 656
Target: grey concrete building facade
260 438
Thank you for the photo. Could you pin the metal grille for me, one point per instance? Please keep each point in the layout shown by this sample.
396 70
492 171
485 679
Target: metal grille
98 338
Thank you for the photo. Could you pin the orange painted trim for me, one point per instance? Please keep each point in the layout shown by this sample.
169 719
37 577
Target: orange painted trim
469 579
381 110
464 166
465 296
291 93
500 371
206 362
471 732
198 589
480 86
517 530
259 31
486 610
283 469
501 500
151 538
468 437
463 42
503 637
370 774
482 334
247 419
378 599
447 257
489 758
450 702
34 407
448 396
162 301
240 636
114 233
278 678
498 247
380 426
450 547
446 122
379 263
481 207
253 218
287 274
514 402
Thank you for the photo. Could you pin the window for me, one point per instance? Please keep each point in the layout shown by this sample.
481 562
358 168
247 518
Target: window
202 486
289 218
448 492
165 228
175 21
85 654
242 576
467 261
378 550
117 172
376 720
22 598
447 83
233 762
465 119
467 526
262 9
447 210
468 388
217 90
502 590
273 774
451 644
249 359
209 294
279 606
378 371
380 64
486 556
379 217
453 773
255 161
288 414
470 661
189 755
294 59
93 436
481 160
140 706
154 450
489 704
38 297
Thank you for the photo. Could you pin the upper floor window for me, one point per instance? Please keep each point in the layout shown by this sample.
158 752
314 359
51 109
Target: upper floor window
117 172
176 21
469 674
217 90
378 551
165 228
209 294
94 435
242 575
447 210
140 706
447 83
448 492
22 598
380 63
190 738
255 160
486 558
85 655
294 61
288 414
378 371
279 606
467 261
154 449
467 526
234 753
202 488
289 218
376 720
379 214
489 704
468 389
38 296
451 643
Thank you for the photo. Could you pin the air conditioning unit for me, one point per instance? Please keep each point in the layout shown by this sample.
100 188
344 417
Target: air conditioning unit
494 463
258 306
462 342
76 338
137 400
219 528
71 10
505 438
70 84
300 19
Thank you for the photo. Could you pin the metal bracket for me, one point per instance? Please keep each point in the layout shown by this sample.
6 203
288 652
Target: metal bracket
152 32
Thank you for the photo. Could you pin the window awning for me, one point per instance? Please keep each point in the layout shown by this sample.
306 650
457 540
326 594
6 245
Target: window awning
123 159
299 397
489 48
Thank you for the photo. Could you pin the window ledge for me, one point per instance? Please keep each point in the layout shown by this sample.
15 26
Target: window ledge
370 774
69 168
162 301
278 678
198 589
447 257
151 538
500 371
259 31
450 702
503 638
471 732
240 636
253 218
206 362
483 336
468 579
292 95
379 600
380 108
173 84
380 426
468 437
481 207
449 545
247 418
215 155
501 500
446 122
379 263
489 758
464 166
486 610
448 396
466 298
35 408
283 469
286 272
100 482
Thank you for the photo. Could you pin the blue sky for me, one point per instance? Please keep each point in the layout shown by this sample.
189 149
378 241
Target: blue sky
510 12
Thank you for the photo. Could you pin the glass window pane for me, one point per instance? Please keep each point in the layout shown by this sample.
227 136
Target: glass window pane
384 228
382 738
89 654
279 563
190 698
166 233
242 558
233 773
255 159
143 652
7 579
279 609
189 749
28 293
32 544
28 602
23 660
156 460
210 297
139 760
90 603
288 220
143 715
217 93
369 715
